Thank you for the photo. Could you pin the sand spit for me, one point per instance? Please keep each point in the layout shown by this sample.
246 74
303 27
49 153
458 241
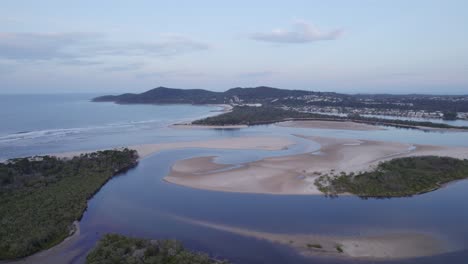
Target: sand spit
190 126
397 245
296 174
341 125
253 143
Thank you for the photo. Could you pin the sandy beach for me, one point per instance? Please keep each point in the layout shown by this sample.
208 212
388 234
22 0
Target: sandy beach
318 124
260 143
296 174
397 245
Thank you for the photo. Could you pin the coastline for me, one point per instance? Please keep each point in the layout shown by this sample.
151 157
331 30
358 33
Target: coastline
296 174
225 108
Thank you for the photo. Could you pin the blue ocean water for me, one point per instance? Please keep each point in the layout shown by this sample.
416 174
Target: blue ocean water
42 124
140 203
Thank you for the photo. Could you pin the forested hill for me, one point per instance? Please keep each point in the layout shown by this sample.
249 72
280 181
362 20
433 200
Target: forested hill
163 95
308 100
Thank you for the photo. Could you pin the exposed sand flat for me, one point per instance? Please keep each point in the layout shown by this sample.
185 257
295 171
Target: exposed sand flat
296 174
190 126
260 143
397 245
342 125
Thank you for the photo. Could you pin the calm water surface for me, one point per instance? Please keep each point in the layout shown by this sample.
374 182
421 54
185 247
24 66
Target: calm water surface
139 203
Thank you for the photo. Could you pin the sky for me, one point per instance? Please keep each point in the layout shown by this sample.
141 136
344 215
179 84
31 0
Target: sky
349 46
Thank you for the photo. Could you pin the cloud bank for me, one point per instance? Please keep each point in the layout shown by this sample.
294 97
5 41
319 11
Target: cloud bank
77 46
301 32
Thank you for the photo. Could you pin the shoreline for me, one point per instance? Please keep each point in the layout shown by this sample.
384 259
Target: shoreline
296 174
225 108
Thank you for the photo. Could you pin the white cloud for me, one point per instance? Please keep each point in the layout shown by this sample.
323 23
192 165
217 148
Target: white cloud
301 32
83 46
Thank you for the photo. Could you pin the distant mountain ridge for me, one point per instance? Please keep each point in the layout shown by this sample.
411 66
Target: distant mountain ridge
164 95
300 99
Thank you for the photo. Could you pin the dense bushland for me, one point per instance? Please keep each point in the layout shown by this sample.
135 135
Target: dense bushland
397 177
117 249
40 197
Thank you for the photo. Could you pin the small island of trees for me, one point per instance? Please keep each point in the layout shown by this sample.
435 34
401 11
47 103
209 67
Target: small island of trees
397 178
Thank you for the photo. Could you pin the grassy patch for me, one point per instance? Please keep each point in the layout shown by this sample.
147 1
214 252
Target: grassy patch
40 197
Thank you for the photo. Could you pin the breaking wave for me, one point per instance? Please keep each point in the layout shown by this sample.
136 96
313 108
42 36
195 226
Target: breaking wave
63 132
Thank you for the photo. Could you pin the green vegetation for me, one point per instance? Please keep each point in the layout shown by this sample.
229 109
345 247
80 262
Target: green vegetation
450 116
245 115
397 178
117 249
40 197
314 246
339 248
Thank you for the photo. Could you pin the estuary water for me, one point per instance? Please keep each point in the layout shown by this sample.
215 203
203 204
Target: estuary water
140 203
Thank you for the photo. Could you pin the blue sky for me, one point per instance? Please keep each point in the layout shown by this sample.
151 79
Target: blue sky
369 46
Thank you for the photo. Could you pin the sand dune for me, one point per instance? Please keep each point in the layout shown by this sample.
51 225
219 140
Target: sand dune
296 174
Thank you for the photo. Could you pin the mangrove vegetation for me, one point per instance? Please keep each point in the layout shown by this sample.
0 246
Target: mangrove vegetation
40 197
397 178
249 115
117 249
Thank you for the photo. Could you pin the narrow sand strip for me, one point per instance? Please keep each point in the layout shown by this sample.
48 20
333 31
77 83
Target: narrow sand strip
397 245
252 143
296 174
190 126
319 124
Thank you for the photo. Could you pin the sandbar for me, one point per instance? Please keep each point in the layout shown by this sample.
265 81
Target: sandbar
296 174
191 126
398 244
251 143
322 124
